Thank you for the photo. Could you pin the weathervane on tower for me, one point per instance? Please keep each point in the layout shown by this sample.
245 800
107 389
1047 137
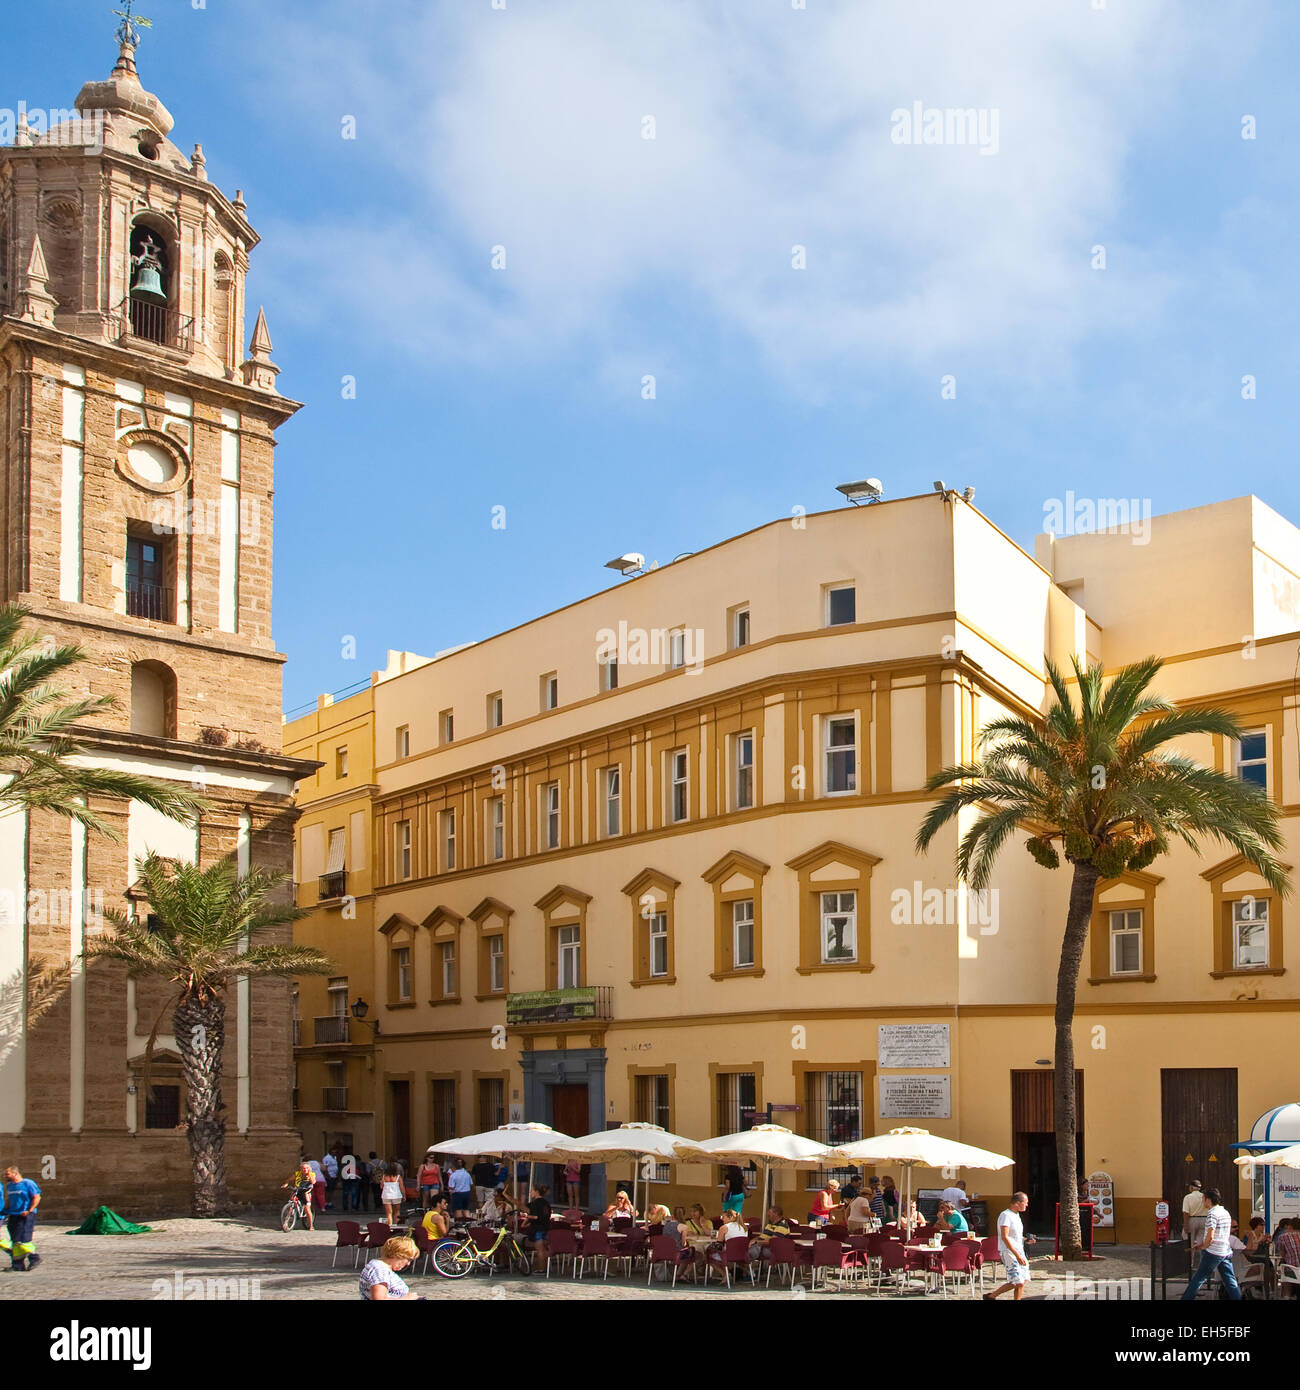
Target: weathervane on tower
127 31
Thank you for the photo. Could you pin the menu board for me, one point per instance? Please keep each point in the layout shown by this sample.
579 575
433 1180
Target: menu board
1101 1193
915 1097
912 1045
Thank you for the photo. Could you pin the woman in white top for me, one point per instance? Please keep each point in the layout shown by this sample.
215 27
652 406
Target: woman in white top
860 1217
392 1193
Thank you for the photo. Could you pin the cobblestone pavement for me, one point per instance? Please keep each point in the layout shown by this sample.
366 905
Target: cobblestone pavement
267 1264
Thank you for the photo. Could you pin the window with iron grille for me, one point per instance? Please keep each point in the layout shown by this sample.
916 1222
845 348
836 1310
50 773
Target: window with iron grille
832 1115
651 1103
162 1108
737 1095
491 1102
444 1110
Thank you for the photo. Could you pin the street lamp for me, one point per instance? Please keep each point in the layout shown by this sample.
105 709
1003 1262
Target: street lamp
359 1011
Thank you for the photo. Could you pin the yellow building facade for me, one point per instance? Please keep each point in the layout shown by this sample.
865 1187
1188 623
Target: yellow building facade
651 856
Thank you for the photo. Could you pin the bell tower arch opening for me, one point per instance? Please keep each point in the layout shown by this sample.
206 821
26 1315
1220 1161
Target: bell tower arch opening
153 279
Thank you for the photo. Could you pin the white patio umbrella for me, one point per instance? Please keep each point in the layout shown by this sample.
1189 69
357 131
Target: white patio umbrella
636 1139
917 1148
513 1141
770 1145
1288 1157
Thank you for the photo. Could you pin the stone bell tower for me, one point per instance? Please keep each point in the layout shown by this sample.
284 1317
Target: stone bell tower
136 487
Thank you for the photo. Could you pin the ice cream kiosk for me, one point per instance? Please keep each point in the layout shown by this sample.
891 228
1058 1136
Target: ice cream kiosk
1274 1187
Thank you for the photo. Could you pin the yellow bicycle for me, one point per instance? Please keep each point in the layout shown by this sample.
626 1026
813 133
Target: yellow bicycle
455 1259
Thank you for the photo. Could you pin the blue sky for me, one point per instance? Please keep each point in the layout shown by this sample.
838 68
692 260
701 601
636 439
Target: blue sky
523 127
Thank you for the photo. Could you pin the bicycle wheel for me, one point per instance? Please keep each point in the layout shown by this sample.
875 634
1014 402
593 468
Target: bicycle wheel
288 1216
453 1261
519 1261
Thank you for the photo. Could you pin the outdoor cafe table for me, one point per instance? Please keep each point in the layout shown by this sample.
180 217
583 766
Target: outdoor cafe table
930 1252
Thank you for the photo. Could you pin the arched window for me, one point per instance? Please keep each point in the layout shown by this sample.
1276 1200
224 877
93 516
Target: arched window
223 307
153 699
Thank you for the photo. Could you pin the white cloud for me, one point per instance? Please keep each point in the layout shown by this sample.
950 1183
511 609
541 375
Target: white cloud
523 128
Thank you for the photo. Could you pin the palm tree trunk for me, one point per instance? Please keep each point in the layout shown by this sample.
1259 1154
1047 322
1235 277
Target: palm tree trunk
200 1038
1067 984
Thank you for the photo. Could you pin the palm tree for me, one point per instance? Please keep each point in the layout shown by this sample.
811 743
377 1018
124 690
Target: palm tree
1098 780
38 741
199 936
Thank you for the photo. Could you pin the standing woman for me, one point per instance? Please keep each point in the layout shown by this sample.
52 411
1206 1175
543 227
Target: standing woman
572 1181
392 1194
430 1181
890 1194
733 1191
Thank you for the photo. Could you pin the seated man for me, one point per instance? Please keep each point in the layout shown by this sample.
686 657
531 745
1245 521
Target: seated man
760 1247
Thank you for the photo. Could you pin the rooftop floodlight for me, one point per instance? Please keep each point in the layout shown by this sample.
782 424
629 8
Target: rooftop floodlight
631 563
938 485
969 494
867 490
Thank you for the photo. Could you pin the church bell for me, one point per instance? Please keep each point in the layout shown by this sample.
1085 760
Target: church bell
148 285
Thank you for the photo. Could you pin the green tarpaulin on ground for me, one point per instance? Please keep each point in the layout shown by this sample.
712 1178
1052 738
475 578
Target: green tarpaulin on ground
105 1222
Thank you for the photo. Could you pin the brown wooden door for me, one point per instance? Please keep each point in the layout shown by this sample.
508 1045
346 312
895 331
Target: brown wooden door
569 1109
1033 1142
1198 1121
400 1100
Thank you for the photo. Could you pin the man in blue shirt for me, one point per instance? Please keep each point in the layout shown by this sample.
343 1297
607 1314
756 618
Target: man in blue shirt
22 1197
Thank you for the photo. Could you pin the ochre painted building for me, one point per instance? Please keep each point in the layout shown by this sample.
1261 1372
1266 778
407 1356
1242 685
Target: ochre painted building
708 852
136 443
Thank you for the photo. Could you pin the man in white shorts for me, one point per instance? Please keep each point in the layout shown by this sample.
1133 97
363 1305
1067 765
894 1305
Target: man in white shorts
1011 1246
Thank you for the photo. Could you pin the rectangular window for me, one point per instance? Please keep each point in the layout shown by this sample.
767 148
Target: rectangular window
337 993
495 710
491 1102
448 819
148 594
341 762
402 850
569 943
742 934
444 1109
677 648
650 1105
613 799
402 971
550 691
496 964
678 785
833 1109
1126 942
659 945
737 1094
447 954
841 605
1250 934
404 741
841 770
162 1109
333 881
740 627
839 928
497 826
743 758
446 726
551 816
609 673
1251 761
